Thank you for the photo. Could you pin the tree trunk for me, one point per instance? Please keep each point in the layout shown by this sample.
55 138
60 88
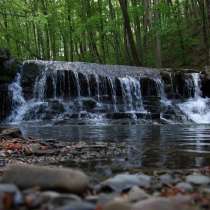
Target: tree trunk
123 5
157 36
205 30
138 34
114 32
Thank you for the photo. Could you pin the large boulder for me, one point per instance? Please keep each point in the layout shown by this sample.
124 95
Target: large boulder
8 69
205 82
29 73
8 66
59 179
5 101
178 84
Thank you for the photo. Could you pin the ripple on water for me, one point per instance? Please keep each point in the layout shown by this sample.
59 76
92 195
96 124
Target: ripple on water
165 146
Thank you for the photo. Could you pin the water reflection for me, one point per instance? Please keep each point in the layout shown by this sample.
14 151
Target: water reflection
159 146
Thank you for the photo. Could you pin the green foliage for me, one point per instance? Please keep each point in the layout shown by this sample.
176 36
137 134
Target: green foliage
93 30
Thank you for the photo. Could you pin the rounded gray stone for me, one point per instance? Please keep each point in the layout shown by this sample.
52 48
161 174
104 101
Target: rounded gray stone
198 179
25 176
185 187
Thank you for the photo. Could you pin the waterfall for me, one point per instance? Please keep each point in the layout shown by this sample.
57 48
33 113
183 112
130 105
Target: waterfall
16 89
131 91
197 109
197 88
64 90
18 101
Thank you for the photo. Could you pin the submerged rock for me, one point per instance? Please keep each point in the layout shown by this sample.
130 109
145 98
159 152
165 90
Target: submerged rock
89 103
25 176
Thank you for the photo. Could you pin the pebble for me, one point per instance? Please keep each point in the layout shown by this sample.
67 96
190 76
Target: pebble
198 179
123 182
137 194
66 179
184 187
145 180
166 179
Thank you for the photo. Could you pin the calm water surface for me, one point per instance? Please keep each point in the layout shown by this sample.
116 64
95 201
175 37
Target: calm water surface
147 146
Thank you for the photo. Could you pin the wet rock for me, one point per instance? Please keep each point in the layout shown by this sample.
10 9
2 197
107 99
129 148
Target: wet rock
137 194
11 132
198 179
205 83
56 106
10 196
125 182
184 187
25 176
166 179
29 73
5 102
4 54
8 66
88 103
8 70
152 104
119 115
180 202
148 87
84 84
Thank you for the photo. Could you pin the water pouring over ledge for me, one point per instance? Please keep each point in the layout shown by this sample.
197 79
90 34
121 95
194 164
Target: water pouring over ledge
47 90
197 108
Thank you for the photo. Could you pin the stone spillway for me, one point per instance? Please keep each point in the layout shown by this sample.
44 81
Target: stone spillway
51 90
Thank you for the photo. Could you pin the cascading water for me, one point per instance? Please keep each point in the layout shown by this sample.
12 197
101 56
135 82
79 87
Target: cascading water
62 94
18 101
62 90
197 108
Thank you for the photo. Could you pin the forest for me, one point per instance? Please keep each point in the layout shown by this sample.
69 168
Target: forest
159 33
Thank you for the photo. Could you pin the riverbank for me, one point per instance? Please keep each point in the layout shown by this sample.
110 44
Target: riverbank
38 179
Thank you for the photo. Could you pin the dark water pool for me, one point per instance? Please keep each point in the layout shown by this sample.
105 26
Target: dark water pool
147 146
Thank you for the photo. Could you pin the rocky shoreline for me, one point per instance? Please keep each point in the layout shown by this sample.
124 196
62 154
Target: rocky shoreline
33 177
